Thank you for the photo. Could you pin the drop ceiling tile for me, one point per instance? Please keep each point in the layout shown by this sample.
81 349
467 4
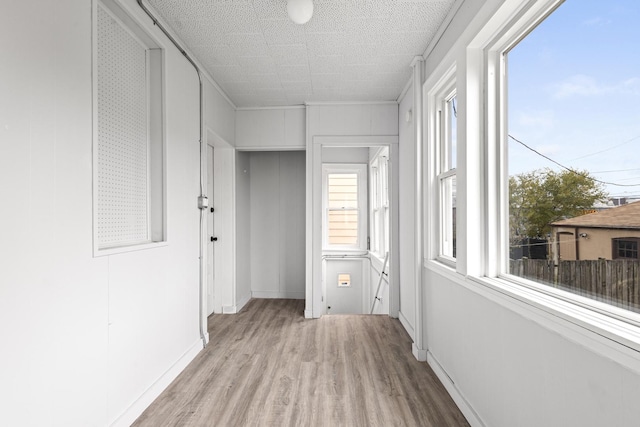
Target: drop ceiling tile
289 54
282 32
326 64
216 57
297 87
420 16
227 74
245 44
256 62
361 55
358 73
265 80
327 44
294 73
325 80
270 9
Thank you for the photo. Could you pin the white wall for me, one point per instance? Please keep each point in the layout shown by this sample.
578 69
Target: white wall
86 341
277 224
220 114
517 367
236 297
53 294
407 189
353 299
509 361
345 155
353 119
271 128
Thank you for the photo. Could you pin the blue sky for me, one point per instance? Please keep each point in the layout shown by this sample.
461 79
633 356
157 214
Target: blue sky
574 92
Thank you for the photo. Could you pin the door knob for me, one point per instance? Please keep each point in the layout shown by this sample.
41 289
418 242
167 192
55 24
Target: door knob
214 239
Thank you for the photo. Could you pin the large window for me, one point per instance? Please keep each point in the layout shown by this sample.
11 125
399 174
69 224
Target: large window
128 140
345 199
442 110
572 123
379 201
447 175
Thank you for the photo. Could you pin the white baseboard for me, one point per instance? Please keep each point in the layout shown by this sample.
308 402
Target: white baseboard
308 314
137 408
233 309
418 353
278 295
462 404
407 326
240 305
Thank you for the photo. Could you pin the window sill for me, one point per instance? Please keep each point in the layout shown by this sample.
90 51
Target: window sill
124 249
344 254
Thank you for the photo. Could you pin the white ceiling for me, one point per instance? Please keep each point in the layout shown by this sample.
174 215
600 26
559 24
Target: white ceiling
350 50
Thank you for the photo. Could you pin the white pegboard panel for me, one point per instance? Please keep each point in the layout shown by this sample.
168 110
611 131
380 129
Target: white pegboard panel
122 157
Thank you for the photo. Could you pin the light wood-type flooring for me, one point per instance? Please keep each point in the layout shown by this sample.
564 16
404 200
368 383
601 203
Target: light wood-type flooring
268 366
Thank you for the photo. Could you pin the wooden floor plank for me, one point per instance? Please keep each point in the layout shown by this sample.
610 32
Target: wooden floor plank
268 366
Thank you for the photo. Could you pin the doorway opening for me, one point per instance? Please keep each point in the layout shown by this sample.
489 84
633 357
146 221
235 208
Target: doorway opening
354 226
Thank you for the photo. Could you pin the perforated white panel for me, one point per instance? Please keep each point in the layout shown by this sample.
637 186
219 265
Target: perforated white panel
122 170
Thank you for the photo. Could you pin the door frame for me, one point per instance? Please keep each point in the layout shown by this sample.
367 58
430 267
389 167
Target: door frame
210 231
314 305
223 202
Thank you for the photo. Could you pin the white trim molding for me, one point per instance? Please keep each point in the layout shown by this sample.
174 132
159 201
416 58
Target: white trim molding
467 410
143 402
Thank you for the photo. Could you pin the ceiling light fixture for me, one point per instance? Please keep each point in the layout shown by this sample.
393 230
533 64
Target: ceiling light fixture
300 11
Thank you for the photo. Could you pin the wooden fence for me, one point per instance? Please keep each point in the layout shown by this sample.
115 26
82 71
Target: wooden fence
615 282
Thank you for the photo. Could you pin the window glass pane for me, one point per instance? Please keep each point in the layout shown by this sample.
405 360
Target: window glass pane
452 114
343 190
448 216
375 235
573 96
342 209
386 229
625 249
343 227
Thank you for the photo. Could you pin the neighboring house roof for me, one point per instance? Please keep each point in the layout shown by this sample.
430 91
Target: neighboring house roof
625 216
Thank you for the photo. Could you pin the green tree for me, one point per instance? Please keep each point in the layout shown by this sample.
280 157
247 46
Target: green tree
541 197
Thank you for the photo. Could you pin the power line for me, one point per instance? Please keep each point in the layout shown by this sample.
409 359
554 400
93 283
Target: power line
568 168
607 149
617 170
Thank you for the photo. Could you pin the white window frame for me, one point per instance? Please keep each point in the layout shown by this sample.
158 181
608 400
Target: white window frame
361 171
156 141
439 171
379 203
497 38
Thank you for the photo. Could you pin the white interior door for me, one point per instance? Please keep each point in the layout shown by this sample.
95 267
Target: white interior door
210 233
